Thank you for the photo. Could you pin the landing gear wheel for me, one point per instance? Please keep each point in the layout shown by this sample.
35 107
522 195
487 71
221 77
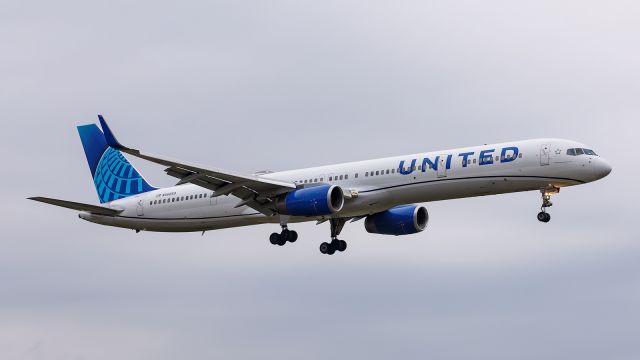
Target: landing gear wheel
544 217
546 192
335 244
285 236
342 245
274 238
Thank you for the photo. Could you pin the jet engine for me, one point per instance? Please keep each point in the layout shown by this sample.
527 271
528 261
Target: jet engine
313 201
400 220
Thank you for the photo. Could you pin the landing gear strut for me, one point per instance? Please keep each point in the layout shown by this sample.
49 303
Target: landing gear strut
336 244
543 215
285 236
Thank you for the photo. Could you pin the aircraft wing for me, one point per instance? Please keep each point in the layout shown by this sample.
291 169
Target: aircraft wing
77 206
255 192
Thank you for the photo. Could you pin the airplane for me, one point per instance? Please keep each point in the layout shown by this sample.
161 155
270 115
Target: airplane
385 193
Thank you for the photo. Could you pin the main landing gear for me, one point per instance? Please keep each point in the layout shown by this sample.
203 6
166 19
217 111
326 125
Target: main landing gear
336 244
285 236
543 215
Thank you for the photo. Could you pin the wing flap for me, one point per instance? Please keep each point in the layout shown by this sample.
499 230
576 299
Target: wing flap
77 206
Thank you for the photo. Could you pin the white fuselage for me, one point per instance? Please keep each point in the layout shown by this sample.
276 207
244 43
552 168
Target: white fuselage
540 163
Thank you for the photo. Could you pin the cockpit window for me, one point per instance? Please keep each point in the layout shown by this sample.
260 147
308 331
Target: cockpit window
578 151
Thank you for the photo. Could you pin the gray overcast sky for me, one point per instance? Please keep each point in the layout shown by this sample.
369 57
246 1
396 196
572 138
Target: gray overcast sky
252 85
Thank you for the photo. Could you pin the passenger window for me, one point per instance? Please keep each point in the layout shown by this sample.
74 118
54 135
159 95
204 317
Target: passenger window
346 176
315 180
377 172
321 179
474 161
330 178
520 155
356 176
366 174
393 171
387 171
497 158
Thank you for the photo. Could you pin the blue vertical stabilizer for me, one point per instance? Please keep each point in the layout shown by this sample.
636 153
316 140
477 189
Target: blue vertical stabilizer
114 177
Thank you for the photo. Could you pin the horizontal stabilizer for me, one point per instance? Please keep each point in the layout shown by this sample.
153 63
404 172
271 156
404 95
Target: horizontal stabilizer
77 206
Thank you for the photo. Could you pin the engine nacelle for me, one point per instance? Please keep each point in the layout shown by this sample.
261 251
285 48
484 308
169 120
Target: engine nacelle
400 220
313 201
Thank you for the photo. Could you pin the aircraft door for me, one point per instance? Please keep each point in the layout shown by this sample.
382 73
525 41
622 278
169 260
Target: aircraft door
213 200
545 153
140 208
442 166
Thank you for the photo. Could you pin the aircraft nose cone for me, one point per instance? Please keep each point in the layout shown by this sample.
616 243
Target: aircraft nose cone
605 167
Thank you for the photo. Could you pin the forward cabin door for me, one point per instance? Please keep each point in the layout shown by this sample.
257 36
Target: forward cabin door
545 153
442 166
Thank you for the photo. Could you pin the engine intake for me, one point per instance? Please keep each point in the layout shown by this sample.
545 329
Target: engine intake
400 220
313 201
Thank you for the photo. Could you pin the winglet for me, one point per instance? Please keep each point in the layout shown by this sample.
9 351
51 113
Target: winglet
108 135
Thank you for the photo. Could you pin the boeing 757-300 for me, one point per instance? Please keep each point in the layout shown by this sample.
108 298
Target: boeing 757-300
385 193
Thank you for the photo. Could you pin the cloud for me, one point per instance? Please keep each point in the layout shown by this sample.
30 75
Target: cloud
280 85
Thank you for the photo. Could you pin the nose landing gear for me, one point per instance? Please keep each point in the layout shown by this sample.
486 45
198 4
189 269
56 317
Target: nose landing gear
543 215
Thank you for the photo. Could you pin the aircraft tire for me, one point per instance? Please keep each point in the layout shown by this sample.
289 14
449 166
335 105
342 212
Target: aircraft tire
542 216
342 245
274 238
